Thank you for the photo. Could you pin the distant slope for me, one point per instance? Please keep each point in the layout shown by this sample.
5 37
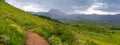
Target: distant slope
14 23
77 18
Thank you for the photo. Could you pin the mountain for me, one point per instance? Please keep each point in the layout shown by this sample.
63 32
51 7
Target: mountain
56 14
52 13
15 22
76 18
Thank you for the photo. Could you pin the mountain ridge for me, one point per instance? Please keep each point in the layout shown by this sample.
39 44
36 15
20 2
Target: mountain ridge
111 19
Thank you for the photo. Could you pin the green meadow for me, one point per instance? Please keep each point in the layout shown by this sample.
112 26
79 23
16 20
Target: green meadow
14 22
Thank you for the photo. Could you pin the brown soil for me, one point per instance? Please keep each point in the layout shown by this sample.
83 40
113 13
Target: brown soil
35 39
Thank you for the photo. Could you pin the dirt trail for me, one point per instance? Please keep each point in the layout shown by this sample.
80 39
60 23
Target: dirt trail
35 39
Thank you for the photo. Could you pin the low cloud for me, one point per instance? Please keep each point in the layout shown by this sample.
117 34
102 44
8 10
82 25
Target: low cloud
69 6
33 7
94 9
28 6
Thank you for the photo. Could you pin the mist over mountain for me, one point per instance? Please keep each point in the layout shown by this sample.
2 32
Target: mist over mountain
77 18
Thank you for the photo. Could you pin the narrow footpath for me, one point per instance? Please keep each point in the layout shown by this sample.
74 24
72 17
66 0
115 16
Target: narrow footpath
35 39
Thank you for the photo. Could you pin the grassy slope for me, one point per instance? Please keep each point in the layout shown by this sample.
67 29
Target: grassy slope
14 22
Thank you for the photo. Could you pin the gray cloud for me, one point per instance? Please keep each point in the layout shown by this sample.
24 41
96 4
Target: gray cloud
69 6
112 5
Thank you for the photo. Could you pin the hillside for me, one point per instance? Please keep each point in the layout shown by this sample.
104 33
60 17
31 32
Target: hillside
15 22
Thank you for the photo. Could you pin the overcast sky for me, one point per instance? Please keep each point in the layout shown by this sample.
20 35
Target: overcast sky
69 6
